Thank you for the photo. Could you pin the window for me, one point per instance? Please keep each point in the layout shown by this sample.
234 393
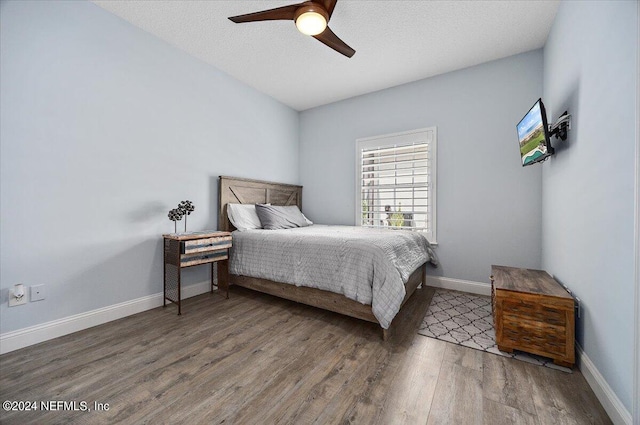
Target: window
396 181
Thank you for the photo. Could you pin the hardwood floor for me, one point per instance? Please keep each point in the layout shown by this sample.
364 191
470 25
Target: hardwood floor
256 359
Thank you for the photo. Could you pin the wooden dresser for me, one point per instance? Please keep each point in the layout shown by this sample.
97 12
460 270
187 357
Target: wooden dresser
533 313
193 249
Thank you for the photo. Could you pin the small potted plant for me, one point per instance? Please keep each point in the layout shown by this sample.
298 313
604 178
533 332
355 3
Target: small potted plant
175 215
186 208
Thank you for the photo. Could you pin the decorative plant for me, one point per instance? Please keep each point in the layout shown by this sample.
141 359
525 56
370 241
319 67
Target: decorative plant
186 208
175 215
365 211
397 218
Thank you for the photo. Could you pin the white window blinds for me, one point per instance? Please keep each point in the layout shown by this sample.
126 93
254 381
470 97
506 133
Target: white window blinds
396 181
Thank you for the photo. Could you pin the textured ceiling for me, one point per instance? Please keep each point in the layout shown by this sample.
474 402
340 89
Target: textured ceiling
395 41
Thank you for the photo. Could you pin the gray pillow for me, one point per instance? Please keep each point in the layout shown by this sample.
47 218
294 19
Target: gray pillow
275 217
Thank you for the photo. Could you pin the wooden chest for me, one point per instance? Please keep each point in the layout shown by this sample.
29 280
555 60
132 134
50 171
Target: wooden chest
533 313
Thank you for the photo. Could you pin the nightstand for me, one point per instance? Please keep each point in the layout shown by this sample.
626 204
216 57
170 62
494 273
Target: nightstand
194 249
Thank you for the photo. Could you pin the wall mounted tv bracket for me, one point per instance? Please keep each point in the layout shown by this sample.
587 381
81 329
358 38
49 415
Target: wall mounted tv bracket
561 126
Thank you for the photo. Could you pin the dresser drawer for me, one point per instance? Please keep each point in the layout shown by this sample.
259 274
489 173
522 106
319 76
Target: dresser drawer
203 245
203 258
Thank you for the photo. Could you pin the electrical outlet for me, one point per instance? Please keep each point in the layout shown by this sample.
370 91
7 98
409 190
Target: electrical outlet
37 293
13 301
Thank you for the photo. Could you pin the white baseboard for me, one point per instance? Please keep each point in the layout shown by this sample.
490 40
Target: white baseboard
459 285
195 289
610 401
14 340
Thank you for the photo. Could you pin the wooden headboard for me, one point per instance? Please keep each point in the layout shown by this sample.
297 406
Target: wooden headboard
246 191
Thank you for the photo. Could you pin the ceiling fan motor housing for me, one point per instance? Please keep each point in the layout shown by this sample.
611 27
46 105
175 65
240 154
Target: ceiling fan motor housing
311 18
311 7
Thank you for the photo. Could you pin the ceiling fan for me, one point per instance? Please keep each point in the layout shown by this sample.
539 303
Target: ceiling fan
311 18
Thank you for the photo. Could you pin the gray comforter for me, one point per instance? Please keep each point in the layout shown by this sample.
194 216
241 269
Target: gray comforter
370 266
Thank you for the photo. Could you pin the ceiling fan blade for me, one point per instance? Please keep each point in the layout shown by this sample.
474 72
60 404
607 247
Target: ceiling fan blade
330 39
279 13
329 5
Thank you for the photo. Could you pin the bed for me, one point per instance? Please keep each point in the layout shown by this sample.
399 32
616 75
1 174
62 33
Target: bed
285 285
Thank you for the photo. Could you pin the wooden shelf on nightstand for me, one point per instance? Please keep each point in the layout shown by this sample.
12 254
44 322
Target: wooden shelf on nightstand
193 249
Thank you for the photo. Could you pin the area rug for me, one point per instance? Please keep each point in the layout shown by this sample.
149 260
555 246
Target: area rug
465 319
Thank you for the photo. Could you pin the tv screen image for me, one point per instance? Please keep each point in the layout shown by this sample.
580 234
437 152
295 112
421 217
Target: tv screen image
533 135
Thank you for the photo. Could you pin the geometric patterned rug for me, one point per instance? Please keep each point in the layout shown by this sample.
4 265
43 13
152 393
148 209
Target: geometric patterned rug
466 319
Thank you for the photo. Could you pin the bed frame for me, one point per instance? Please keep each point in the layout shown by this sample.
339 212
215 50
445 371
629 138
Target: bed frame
246 191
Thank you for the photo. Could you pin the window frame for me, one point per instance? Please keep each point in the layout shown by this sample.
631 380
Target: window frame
404 138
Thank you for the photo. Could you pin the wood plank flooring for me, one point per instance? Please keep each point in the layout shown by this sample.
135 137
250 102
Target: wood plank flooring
257 359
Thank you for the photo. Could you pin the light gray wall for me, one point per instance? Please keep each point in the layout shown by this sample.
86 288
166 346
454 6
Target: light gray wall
104 128
590 70
488 206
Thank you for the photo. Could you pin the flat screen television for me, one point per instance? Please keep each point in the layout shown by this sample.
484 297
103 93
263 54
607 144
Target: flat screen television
533 135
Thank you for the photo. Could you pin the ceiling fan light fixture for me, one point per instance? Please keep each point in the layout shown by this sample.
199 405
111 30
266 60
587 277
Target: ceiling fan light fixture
311 20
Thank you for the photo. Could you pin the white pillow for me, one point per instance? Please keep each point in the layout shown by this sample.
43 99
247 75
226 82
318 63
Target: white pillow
309 222
243 216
